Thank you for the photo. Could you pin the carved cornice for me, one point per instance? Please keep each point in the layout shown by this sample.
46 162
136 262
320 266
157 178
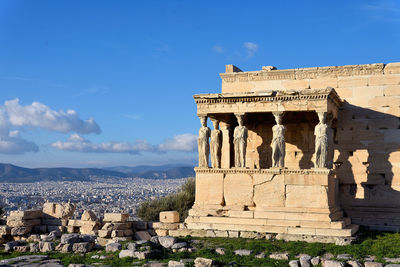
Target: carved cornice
262 171
304 73
270 96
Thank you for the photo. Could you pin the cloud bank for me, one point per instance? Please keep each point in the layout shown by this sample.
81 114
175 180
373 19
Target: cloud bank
14 116
77 143
37 115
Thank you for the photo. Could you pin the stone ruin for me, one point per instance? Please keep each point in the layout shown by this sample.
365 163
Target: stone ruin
54 221
304 154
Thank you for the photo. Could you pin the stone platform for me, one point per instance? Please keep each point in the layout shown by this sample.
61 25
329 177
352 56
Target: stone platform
288 202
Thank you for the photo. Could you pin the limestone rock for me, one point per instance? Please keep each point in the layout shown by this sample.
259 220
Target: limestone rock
203 262
175 264
167 241
126 253
46 246
21 248
372 264
169 217
60 211
88 215
26 214
279 256
344 256
179 245
315 260
18 231
294 263
132 246
330 263
305 261
260 255
142 255
220 251
354 264
116 217
82 247
142 235
5 230
70 238
34 247
112 247
242 252
66 248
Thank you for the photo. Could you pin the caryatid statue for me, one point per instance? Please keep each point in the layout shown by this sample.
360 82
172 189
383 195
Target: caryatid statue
215 145
278 142
322 134
203 144
240 142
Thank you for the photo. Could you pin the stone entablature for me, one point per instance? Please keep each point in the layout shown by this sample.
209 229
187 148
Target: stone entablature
302 100
271 73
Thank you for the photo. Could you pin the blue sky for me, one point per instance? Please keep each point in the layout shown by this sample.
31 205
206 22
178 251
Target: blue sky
104 83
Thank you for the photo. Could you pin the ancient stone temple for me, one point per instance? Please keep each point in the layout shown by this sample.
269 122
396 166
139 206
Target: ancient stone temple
308 154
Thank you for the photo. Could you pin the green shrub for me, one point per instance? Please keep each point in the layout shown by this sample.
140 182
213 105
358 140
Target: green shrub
181 202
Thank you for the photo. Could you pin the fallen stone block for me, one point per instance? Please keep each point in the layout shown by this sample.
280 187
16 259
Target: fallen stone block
243 252
88 215
66 248
104 233
14 222
203 262
34 247
82 247
142 235
21 248
169 217
70 238
166 241
26 214
5 230
112 247
126 253
331 263
46 246
116 217
19 231
56 210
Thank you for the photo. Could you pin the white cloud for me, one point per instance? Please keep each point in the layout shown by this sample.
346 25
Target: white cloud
183 142
41 116
251 48
10 141
218 48
78 143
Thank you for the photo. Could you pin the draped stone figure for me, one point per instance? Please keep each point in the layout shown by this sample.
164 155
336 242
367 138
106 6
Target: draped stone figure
203 144
240 142
215 145
278 142
323 133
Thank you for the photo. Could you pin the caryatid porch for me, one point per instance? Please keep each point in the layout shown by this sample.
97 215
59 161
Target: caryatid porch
271 165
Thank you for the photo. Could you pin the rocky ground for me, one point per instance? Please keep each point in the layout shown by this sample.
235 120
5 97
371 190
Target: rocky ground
75 250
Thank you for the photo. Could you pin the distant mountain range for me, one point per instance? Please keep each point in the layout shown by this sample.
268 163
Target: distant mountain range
15 174
156 172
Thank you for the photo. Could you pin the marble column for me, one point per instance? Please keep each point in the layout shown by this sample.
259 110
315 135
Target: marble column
226 146
278 141
203 142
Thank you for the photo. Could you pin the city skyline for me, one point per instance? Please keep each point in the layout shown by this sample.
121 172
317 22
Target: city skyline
95 84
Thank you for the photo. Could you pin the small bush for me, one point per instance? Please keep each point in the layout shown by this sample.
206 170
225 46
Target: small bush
181 202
